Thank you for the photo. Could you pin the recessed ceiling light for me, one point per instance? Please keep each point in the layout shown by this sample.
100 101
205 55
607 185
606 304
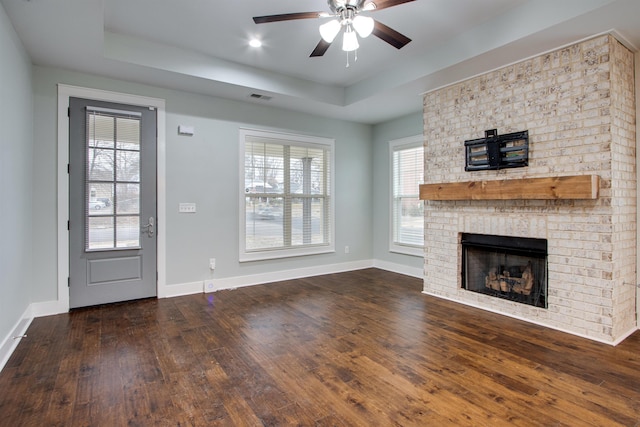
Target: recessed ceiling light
255 43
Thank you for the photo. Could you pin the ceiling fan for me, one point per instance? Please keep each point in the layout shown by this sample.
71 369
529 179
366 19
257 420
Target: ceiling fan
347 19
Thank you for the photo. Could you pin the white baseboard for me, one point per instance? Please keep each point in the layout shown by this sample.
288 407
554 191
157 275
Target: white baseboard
277 276
180 289
47 308
259 279
399 268
625 335
10 342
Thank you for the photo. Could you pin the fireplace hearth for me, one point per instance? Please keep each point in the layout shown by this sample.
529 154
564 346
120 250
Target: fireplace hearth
512 268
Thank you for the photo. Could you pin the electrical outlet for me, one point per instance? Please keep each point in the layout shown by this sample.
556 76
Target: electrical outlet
208 286
212 263
346 249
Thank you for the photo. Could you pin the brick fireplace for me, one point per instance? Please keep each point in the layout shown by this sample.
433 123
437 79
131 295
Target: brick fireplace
577 104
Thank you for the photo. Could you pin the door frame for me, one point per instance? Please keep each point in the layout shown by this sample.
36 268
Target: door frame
637 95
64 93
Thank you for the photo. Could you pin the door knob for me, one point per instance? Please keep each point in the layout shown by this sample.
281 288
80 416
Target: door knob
149 227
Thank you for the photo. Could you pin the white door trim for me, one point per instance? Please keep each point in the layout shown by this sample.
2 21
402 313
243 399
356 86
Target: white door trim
64 93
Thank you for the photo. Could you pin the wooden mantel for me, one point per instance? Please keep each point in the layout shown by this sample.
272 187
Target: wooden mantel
552 188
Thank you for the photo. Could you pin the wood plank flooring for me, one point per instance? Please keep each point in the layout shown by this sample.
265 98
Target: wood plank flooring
362 348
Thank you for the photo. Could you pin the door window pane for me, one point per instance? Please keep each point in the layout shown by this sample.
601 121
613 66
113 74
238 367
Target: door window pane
100 233
100 132
128 231
128 166
100 197
128 196
113 180
100 164
128 134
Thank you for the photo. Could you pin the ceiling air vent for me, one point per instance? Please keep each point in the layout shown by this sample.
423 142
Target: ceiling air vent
262 97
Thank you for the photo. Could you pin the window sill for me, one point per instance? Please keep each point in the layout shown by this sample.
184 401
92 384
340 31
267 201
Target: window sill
417 251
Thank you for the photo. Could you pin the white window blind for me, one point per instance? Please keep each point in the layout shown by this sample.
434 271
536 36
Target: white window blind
112 179
407 213
286 205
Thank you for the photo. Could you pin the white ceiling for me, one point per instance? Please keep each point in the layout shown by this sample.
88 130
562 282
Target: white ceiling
202 46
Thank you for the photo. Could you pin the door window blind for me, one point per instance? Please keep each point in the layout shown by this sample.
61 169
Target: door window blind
112 179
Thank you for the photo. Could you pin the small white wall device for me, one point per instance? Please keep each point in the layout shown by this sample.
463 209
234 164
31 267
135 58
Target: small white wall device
185 130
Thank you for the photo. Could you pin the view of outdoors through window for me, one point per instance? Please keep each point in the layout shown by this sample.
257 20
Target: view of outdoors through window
112 181
286 195
407 210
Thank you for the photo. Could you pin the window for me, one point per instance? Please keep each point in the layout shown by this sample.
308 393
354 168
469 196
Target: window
286 205
407 212
112 179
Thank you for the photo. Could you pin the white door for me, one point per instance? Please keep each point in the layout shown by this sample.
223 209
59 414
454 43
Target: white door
112 202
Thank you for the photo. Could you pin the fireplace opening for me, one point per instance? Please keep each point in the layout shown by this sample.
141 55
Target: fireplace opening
512 268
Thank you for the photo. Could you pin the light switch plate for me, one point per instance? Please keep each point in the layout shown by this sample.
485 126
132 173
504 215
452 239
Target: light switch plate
187 208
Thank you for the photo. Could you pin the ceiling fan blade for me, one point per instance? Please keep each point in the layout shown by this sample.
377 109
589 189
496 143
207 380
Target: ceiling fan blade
383 4
286 17
390 35
320 49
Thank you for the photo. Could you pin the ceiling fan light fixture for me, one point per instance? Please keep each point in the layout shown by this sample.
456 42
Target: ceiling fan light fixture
350 40
363 25
345 19
329 30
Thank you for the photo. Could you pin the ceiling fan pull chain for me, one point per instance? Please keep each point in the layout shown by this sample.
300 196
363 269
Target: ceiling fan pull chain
355 57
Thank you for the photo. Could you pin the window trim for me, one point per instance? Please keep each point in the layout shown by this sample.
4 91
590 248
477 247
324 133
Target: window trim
395 145
294 139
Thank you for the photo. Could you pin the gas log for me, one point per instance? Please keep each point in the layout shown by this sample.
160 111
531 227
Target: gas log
516 279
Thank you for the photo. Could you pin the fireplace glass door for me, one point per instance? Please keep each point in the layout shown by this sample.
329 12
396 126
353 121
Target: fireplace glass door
506 267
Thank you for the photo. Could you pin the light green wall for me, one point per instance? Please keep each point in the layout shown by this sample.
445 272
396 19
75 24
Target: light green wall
16 205
402 127
201 169
204 169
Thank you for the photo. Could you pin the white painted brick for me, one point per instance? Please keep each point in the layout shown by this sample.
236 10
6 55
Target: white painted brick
578 106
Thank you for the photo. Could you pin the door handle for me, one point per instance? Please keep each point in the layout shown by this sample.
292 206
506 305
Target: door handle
149 228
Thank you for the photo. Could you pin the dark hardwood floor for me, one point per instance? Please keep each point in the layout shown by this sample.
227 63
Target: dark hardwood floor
363 348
